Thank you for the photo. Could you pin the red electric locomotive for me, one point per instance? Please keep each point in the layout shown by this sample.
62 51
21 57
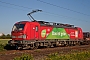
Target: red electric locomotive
33 34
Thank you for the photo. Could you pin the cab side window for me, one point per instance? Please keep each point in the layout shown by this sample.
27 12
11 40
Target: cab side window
36 28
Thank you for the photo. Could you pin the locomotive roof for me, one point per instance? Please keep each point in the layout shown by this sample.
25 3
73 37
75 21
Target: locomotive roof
43 23
53 24
22 22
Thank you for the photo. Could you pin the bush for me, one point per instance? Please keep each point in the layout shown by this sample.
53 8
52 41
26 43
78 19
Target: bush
8 36
24 57
2 47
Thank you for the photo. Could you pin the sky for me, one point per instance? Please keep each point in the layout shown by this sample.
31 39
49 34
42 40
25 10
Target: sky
75 12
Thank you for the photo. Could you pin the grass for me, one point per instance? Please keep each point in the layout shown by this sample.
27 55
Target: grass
3 44
24 57
4 41
85 55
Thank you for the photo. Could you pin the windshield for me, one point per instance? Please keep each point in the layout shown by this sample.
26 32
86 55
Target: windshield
18 27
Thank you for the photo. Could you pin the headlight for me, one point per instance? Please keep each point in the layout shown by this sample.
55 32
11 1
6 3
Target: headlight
20 36
13 37
24 36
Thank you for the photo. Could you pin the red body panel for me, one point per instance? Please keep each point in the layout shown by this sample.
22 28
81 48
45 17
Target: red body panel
16 35
75 33
80 35
71 33
33 30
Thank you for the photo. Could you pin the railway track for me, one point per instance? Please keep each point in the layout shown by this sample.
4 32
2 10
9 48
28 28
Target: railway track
39 54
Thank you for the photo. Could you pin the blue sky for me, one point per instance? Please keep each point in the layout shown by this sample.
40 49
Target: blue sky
76 12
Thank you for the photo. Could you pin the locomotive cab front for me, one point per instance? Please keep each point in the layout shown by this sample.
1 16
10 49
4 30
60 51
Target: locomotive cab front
18 31
24 32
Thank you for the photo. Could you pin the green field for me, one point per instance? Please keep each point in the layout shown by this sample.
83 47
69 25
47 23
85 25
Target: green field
4 41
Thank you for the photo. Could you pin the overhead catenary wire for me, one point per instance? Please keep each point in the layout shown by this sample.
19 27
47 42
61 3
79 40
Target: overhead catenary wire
13 8
57 15
63 7
43 11
15 5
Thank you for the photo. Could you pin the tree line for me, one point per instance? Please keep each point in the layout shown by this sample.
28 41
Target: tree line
8 36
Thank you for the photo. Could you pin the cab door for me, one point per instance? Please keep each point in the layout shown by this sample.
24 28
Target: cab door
32 32
36 32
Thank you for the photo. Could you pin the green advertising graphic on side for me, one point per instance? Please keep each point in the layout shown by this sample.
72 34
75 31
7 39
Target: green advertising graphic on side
58 33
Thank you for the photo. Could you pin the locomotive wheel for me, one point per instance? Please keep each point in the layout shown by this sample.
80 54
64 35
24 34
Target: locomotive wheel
19 48
48 46
34 46
78 44
31 48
